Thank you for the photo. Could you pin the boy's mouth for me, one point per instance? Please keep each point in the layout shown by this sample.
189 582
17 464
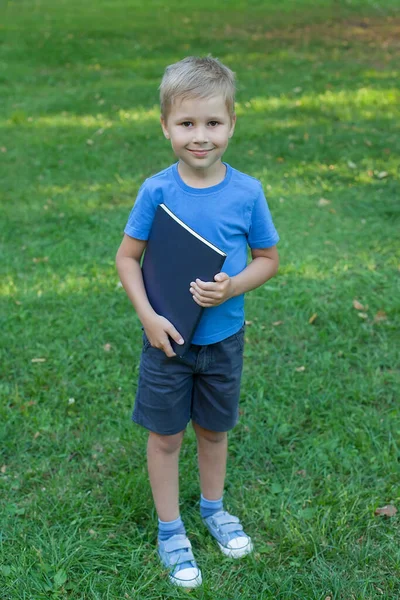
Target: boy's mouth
199 153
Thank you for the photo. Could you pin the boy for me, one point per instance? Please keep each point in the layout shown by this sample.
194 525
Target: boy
229 209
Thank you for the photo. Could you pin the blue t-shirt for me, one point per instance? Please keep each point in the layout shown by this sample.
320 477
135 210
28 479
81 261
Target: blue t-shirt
232 215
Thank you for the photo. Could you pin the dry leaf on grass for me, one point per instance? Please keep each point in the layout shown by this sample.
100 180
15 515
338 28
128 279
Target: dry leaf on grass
380 316
323 202
38 360
277 323
107 347
300 369
358 306
387 511
313 318
302 473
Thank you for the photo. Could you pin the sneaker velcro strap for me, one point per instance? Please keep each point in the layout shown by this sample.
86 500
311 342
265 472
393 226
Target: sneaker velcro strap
174 545
178 559
231 527
224 518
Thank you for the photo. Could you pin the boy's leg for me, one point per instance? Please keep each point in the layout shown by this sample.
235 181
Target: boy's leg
163 405
163 466
227 530
173 546
212 447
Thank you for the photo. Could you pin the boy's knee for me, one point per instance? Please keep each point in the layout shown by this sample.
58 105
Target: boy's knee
214 437
166 443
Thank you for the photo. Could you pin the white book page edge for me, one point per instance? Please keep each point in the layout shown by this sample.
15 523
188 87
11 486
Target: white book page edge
171 214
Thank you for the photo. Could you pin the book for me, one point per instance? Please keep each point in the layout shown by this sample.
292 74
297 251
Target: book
175 256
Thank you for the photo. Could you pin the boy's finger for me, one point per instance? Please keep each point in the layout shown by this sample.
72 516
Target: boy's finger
203 303
205 285
205 294
168 350
201 292
176 336
221 277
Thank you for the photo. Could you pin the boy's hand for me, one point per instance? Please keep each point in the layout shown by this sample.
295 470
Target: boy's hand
157 331
212 293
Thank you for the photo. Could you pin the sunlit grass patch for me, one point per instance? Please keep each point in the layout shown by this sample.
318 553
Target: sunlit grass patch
68 120
360 103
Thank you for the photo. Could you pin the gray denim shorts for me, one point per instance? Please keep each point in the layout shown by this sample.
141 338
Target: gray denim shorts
203 386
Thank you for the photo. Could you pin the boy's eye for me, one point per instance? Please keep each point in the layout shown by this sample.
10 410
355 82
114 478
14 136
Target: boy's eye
213 123
187 123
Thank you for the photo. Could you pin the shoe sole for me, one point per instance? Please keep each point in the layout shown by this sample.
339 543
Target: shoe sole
236 552
192 583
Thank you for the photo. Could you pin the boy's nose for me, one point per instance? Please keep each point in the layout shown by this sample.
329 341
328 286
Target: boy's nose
200 135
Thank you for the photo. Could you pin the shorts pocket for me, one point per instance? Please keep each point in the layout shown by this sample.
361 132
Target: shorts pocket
146 343
239 337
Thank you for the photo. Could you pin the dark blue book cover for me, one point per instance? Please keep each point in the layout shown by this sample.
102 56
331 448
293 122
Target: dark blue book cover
176 255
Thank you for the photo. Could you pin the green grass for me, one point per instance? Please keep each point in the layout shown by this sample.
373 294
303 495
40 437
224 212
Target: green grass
317 447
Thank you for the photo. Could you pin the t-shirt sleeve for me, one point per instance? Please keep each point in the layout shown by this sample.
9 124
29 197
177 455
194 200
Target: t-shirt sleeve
262 232
142 214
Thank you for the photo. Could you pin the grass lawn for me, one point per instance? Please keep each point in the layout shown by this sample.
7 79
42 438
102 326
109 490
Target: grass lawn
317 447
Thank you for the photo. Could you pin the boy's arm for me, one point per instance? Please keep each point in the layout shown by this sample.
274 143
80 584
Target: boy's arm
264 265
156 327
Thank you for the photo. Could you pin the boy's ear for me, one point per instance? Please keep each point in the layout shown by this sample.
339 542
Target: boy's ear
164 127
233 123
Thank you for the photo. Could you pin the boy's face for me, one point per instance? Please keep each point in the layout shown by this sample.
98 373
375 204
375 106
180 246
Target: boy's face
199 130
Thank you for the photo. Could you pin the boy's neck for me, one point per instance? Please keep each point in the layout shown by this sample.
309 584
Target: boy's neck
201 178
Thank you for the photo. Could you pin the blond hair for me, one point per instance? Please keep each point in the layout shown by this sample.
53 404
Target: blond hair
195 77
